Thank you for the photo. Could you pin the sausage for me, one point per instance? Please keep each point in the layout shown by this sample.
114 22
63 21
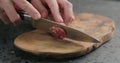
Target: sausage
58 32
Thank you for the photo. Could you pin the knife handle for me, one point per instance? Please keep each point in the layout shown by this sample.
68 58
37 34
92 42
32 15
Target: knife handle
21 13
24 16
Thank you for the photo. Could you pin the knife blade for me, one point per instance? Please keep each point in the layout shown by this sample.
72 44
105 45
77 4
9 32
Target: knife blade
45 24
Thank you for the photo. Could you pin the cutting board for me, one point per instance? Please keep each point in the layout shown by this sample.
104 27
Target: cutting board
41 43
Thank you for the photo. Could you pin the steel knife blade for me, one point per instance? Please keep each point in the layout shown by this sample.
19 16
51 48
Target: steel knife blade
45 24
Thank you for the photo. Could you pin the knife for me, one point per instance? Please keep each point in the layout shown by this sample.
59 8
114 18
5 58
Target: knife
45 25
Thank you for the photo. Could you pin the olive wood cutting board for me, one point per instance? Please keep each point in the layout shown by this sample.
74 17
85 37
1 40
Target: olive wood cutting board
39 42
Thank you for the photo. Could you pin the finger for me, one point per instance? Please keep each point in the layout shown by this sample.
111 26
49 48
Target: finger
53 5
67 11
27 7
43 2
16 6
4 18
10 11
40 7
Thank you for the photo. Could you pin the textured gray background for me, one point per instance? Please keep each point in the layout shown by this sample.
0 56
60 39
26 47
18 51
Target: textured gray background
107 53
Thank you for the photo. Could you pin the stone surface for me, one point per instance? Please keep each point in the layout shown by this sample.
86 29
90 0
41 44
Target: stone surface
108 53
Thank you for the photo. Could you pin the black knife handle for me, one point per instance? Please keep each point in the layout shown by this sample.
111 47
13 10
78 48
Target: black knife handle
21 13
29 1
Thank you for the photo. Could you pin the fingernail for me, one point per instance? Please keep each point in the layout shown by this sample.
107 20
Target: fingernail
37 16
60 20
69 21
44 15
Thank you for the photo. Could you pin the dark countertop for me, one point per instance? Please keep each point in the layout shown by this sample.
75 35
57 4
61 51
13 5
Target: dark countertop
107 53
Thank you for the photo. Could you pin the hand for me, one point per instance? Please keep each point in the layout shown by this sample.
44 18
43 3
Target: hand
62 10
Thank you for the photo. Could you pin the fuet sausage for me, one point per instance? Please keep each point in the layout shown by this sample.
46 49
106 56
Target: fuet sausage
58 32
